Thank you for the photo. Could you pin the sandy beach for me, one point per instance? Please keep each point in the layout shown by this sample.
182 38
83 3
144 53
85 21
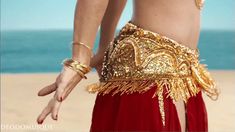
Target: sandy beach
20 104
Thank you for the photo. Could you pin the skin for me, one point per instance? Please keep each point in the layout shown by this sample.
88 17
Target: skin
178 20
107 30
88 16
85 29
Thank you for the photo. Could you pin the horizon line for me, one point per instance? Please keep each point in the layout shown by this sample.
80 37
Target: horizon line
70 29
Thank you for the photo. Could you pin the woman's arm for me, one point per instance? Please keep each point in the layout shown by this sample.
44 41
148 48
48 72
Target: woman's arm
107 31
88 16
109 23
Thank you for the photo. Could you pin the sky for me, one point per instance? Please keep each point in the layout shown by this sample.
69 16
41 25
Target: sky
58 14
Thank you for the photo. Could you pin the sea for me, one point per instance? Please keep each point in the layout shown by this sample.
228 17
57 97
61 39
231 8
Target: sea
34 51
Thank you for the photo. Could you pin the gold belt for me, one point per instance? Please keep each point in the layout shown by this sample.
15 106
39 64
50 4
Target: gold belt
138 59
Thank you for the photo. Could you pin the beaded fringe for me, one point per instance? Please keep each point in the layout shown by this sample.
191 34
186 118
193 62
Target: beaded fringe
178 88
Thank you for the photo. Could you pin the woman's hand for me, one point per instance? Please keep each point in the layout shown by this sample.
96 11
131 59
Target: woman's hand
63 85
96 62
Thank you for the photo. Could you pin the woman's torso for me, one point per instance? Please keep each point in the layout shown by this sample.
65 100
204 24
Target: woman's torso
176 19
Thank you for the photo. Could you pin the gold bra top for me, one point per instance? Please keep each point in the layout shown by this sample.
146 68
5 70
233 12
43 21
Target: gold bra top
199 3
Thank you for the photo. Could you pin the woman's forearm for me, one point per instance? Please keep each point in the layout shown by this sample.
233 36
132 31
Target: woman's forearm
109 23
88 16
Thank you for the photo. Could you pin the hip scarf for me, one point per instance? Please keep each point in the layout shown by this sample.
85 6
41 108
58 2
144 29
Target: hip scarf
137 59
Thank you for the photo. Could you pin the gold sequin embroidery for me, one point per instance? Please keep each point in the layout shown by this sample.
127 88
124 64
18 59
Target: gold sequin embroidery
138 59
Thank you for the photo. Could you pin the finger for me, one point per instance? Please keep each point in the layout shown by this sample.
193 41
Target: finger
59 91
92 64
99 69
71 85
55 110
47 90
65 94
46 111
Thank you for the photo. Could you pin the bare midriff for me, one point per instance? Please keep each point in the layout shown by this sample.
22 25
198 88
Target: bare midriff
176 19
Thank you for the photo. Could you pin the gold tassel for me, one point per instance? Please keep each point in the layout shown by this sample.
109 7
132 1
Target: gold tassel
161 105
127 87
176 88
92 88
204 79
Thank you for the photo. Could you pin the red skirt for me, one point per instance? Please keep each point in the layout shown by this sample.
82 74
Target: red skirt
140 112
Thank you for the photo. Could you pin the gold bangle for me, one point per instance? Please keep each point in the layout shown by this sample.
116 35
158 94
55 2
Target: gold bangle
88 47
81 69
77 66
79 72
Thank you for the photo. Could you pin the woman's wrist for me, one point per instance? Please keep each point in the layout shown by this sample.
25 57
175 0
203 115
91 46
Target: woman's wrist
83 59
81 52
81 55
77 66
97 60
